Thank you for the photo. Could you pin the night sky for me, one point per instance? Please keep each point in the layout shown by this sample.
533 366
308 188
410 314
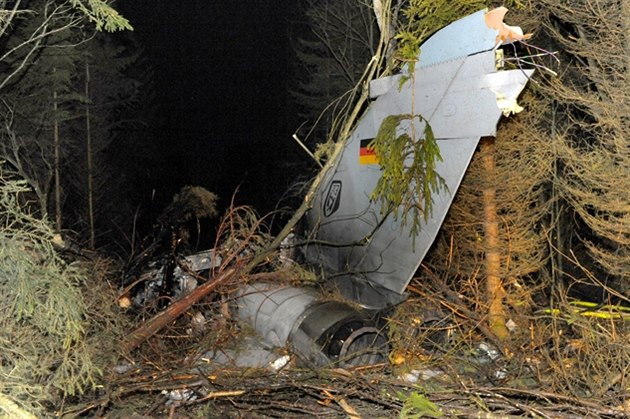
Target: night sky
220 80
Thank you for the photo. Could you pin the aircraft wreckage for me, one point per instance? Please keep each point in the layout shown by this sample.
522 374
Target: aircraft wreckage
461 90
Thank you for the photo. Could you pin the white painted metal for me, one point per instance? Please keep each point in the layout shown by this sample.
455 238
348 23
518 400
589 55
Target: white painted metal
458 89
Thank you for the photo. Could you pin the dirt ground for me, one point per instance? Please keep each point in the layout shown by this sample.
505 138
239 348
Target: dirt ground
373 392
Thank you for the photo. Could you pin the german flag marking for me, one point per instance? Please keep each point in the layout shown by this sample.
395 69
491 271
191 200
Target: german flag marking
367 155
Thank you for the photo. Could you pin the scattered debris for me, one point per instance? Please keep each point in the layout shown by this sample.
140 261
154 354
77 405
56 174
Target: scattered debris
371 258
255 340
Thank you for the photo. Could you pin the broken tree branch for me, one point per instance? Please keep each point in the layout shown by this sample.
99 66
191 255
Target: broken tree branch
172 312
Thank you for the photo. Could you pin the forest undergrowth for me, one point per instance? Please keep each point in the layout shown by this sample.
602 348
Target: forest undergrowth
61 347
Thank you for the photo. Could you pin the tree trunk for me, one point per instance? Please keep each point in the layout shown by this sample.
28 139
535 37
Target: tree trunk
90 167
57 162
494 285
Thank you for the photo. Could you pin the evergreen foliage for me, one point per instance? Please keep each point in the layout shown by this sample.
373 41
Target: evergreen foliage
523 157
51 346
46 344
408 166
192 202
43 113
47 18
591 132
417 405
111 105
103 15
37 80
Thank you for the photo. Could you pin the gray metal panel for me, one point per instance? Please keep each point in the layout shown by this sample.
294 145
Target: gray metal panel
389 259
465 36
458 95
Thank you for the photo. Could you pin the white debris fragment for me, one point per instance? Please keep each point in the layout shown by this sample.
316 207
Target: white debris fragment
501 374
198 321
280 363
187 284
287 250
179 395
431 373
410 377
511 326
414 375
508 106
124 367
488 351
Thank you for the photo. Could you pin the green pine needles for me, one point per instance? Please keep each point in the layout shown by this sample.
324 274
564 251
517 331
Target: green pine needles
408 164
104 16
49 339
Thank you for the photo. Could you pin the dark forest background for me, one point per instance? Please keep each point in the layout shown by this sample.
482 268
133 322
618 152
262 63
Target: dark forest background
223 117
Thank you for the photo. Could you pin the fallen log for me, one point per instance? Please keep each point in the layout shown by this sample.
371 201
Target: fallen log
173 311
